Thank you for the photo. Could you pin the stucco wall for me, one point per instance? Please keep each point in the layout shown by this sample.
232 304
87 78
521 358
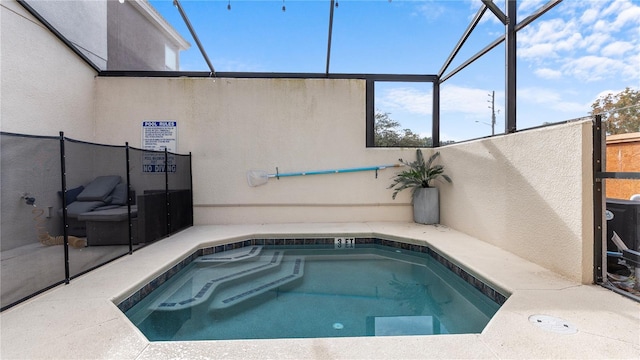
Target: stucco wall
45 87
529 193
88 29
235 125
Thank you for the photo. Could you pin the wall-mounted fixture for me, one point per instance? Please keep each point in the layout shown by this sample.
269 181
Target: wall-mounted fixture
29 200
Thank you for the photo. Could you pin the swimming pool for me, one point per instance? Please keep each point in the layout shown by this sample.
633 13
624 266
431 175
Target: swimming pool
261 288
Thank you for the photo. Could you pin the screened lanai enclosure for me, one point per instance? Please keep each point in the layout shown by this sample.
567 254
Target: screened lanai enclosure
315 39
260 84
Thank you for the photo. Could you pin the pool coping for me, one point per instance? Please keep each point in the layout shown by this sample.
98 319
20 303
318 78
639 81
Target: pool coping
80 320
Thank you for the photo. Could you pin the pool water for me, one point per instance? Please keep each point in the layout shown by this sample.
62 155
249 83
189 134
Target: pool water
262 292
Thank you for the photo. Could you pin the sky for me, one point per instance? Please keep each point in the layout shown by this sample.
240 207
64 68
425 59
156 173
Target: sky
575 53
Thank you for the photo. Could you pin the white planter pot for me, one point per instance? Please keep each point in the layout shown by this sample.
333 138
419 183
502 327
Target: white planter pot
426 206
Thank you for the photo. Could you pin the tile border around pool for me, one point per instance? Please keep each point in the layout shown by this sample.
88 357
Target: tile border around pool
487 290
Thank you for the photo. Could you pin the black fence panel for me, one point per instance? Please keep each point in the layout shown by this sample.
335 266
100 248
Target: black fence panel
148 176
180 193
30 242
107 200
97 208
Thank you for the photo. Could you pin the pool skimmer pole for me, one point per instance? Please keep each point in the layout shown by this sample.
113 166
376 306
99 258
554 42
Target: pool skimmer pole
260 177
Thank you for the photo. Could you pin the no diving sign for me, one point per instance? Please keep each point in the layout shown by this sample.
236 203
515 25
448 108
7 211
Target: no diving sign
158 136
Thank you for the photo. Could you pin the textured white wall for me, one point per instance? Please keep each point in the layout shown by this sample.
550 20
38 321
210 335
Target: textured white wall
234 125
529 193
88 30
44 86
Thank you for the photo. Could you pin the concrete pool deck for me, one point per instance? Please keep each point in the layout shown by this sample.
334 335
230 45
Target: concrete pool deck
81 321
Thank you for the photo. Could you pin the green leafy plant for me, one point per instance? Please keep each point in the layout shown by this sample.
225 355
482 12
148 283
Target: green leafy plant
420 174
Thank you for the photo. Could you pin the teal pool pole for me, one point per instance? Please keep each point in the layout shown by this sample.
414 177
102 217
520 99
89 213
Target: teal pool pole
336 171
258 177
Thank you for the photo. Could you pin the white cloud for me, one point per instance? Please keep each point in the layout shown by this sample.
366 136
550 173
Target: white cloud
617 49
594 42
528 7
537 51
589 16
593 68
611 16
551 99
547 38
432 10
570 43
585 40
617 7
470 101
408 99
633 62
628 16
601 26
453 99
547 73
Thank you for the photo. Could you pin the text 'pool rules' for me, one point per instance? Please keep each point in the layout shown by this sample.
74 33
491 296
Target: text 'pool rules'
158 136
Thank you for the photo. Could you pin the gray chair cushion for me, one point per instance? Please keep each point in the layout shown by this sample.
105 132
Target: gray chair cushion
107 207
117 214
72 194
99 189
78 207
119 195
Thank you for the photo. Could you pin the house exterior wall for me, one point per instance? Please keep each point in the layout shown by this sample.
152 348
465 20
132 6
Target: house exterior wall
45 86
134 42
83 23
623 155
113 35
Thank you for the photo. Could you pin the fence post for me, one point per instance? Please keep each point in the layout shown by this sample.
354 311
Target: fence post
166 190
65 225
191 184
129 198
598 246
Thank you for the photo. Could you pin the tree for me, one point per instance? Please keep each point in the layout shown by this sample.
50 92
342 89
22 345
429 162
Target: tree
387 134
621 112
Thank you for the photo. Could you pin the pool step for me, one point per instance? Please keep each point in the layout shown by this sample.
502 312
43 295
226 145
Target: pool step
240 291
244 253
197 286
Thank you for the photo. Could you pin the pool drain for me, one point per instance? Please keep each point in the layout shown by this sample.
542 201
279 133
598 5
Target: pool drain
553 324
338 326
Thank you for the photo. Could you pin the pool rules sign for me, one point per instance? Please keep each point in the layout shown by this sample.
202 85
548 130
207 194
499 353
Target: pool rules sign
158 136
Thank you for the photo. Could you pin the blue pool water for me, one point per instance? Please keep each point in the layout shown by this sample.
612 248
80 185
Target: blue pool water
266 292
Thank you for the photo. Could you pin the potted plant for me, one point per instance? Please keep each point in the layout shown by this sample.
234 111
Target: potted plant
419 177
